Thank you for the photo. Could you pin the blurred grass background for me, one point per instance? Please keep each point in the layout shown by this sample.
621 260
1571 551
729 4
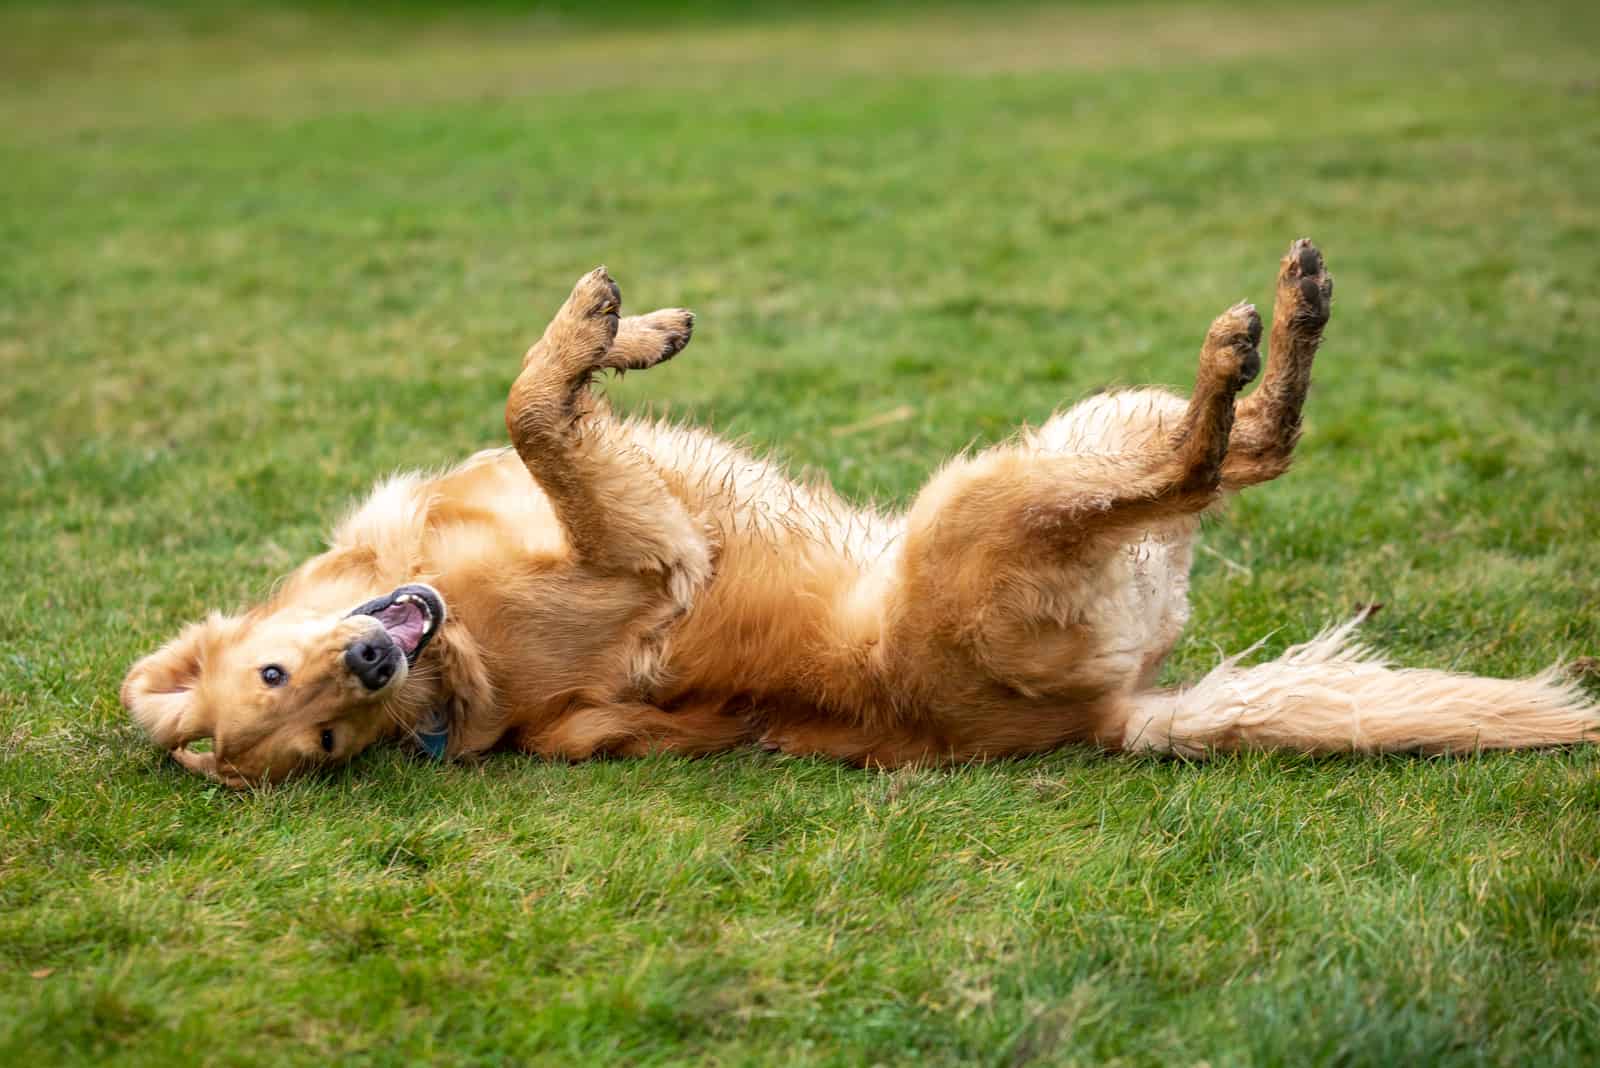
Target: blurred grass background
254 256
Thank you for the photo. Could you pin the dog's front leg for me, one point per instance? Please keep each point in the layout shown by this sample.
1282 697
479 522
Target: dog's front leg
631 729
618 514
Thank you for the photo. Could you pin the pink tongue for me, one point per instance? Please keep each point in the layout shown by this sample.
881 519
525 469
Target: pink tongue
405 622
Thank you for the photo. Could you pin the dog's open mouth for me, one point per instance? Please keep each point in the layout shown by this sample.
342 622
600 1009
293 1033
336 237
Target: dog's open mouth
411 615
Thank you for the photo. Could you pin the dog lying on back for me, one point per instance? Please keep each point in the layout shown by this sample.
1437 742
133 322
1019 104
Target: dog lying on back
621 587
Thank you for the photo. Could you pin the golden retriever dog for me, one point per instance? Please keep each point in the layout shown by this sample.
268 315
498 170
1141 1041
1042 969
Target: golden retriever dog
617 586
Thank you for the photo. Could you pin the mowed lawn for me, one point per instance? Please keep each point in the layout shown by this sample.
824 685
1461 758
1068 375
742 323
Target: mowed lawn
251 259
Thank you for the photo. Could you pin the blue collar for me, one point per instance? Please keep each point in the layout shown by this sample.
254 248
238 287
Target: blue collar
434 737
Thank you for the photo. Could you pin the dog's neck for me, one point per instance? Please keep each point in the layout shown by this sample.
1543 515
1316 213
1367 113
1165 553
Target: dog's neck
455 712
448 708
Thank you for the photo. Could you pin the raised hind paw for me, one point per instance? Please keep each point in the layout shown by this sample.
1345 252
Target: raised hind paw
1300 311
1230 357
1268 422
1305 292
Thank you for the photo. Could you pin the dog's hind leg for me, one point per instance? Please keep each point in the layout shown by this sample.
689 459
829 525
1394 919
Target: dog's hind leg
863 746
631 730
617 513
1266 424
1021 560
1022 499
1268 421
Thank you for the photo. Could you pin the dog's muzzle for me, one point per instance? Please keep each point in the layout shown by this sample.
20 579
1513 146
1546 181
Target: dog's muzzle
410 617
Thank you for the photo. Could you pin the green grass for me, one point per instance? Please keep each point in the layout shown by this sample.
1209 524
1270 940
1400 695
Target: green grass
251 259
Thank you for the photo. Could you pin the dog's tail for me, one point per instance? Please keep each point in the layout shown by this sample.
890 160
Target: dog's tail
1333 695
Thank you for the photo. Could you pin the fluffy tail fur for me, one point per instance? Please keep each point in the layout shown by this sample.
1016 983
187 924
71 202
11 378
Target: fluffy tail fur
1333 695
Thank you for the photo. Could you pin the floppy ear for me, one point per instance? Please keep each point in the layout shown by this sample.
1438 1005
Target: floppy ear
159 689
468 691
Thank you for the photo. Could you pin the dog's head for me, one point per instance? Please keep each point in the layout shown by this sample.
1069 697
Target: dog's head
285 688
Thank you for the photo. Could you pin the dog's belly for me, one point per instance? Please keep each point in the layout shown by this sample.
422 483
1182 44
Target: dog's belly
1159 596
796 607
804 579
1140 599
1078 633
752 497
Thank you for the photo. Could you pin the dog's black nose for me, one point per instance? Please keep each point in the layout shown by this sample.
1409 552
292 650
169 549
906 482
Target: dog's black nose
373 660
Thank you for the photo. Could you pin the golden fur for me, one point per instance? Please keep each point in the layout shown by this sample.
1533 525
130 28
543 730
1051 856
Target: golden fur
619 587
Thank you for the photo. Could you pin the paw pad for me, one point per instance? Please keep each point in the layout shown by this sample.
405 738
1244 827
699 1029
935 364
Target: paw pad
1306 283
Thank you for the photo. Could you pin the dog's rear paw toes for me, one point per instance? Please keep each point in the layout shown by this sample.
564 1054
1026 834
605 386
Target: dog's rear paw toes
1305 288
1231 349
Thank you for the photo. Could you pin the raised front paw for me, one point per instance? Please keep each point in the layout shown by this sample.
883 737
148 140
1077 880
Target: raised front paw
596 298
579 337
645 340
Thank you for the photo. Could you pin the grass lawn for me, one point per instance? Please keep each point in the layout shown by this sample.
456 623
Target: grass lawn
252 258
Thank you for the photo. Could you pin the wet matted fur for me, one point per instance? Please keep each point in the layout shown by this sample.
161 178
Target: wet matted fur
616 586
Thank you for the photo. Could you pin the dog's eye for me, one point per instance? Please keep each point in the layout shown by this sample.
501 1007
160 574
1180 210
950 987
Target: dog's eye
273 675
327 741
